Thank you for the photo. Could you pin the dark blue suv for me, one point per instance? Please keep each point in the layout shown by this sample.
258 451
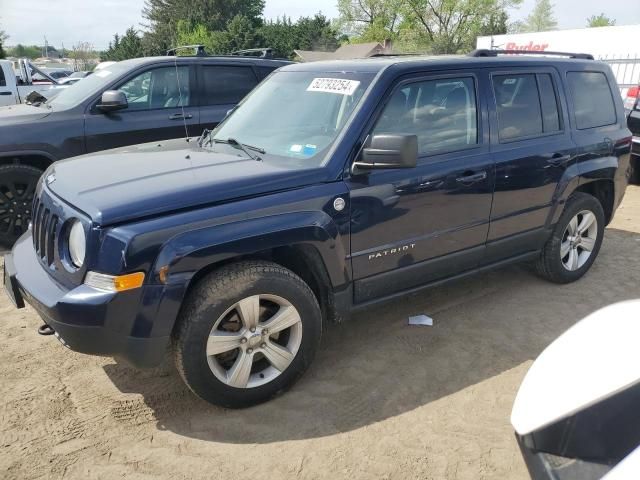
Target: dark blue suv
332 187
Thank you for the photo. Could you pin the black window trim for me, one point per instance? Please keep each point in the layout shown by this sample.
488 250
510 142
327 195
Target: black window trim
440 155
573 110
535 72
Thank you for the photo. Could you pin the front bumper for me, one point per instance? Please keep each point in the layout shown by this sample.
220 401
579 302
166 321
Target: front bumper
88 320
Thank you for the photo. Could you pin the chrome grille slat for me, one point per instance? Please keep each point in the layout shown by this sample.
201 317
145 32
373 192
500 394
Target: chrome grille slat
51 238
43 232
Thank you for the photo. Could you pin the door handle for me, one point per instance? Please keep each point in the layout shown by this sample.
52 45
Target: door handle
472 178
6 93
179 116
558 159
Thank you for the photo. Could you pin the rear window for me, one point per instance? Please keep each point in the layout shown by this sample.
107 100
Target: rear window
592 99
3 81
527 105
227 85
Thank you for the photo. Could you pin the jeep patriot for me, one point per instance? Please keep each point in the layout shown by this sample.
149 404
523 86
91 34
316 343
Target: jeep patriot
332 187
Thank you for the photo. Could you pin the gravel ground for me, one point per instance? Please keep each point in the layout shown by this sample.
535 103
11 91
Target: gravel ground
383 400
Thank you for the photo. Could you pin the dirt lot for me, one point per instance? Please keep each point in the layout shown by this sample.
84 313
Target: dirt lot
382 400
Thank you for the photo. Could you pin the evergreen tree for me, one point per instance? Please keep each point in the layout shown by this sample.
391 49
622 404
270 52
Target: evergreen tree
541 19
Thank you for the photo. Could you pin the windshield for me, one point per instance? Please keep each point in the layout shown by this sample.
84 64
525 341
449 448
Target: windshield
72 96
295 117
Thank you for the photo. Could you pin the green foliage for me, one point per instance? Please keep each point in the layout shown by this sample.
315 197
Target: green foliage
2 52
541 19
25 51
371 20
163 17
600 21
122 48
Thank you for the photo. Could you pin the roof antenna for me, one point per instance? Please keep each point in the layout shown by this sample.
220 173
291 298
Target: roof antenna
184 118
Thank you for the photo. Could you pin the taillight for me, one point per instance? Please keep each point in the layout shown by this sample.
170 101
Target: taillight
632 98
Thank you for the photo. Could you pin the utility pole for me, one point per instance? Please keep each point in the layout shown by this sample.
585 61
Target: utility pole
46 47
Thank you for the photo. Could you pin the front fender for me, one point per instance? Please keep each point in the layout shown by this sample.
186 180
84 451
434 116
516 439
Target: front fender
189 252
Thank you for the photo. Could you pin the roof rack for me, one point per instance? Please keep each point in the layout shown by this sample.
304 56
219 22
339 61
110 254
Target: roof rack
483 52
198 50
255 52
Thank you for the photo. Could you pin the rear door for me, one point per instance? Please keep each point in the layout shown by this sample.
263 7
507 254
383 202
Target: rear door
532 148
221 87
160 107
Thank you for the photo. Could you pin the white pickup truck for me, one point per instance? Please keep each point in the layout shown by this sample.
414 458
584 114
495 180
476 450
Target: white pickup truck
14 88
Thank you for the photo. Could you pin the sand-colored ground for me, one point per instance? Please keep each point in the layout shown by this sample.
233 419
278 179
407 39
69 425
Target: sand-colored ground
383 400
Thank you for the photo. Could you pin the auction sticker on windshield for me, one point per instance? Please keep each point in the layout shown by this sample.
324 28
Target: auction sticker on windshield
333 85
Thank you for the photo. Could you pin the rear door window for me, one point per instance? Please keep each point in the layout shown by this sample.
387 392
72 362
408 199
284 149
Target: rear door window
226 84
592 99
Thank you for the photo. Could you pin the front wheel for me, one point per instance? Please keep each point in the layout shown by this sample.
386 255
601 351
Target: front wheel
246 333
575 241
17 188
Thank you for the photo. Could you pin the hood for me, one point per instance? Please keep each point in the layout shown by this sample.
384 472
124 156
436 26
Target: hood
145 180
22 113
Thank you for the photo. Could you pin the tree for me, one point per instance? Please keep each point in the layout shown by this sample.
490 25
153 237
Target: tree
83 56
124 47
600 21
3 37
163 17
25 51
541 19
315 33
451 26
370 20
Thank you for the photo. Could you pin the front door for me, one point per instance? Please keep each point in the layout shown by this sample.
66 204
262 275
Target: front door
413 226
159 108
532 148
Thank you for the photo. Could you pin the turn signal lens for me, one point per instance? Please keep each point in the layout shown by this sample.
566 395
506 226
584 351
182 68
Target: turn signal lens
112 283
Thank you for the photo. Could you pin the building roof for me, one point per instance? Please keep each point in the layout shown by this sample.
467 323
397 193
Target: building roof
345 52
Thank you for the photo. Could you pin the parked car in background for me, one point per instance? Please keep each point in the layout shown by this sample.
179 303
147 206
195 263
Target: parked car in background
632 107
56 73
15 88
74 77
135 101
235 249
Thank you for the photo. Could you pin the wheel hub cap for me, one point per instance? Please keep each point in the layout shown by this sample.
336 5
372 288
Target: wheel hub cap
579 240
254 341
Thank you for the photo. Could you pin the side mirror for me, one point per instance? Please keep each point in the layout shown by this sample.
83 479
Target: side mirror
112 100
389 151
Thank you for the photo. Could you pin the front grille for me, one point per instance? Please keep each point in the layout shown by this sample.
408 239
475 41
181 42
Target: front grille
45 227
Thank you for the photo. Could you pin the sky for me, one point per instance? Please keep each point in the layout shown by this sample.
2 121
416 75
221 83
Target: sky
95 21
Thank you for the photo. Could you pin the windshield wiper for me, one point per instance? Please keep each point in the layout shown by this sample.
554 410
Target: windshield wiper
242 146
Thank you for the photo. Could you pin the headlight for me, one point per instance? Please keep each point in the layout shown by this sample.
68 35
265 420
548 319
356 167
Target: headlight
77 244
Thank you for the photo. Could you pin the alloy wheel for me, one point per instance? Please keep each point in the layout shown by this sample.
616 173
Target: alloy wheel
16 199
579 240
254 341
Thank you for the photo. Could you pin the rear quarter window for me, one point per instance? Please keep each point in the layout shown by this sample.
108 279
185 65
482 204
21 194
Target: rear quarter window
592 99
3 81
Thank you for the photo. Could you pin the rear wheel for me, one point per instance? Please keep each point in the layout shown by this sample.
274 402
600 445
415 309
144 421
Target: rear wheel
246 333
17 188
575 242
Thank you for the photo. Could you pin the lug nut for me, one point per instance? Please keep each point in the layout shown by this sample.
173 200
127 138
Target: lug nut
243 340
264 345
252 329
249 350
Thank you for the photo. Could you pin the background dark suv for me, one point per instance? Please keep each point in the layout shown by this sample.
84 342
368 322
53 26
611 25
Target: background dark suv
160 98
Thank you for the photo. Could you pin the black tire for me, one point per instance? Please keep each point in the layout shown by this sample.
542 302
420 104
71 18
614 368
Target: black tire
17 188
211 298
550 265
635 170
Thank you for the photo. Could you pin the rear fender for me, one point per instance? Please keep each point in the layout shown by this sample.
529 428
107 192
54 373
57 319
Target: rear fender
581 173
